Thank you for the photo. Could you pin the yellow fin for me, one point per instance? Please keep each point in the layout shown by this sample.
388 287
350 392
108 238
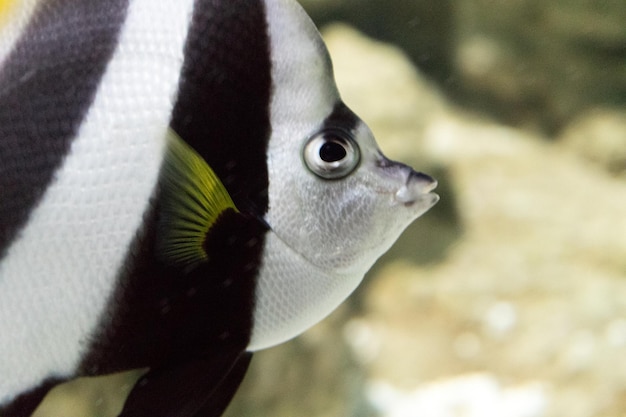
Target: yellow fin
193 197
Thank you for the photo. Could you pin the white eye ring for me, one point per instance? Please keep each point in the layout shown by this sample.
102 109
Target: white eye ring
331 154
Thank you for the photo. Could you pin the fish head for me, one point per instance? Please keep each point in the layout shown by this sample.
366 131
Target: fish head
333 196
339 201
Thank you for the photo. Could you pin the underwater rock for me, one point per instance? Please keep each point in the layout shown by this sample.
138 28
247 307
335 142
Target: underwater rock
599 135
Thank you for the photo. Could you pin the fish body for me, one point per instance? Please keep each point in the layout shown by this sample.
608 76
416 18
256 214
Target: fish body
180 186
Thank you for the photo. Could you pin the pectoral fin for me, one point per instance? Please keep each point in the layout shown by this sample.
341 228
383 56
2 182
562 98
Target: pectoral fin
193 198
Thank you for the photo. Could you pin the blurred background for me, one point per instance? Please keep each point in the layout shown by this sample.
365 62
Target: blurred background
507 299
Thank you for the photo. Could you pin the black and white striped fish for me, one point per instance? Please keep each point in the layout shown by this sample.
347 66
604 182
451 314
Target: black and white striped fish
180 186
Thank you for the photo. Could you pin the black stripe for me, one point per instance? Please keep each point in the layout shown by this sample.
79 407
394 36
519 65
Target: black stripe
47 84
223 106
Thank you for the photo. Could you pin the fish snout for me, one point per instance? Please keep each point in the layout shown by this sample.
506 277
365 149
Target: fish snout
418 187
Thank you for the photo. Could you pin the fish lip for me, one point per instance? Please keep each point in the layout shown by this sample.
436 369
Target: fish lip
434 199
417 188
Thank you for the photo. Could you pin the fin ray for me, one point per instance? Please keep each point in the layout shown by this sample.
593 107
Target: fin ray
193 198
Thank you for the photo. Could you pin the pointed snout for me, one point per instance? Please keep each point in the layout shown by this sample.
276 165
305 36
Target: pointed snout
418 187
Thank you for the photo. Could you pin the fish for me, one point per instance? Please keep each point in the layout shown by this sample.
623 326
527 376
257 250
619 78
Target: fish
181 185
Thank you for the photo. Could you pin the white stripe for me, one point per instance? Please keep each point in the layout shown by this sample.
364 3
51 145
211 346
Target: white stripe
304 88
294 294
304 94
57 276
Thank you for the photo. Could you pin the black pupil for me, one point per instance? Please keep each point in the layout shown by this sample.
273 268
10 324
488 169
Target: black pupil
332 152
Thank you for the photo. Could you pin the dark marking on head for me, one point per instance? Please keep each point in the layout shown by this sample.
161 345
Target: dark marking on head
47 84
393 167
223 104
341 118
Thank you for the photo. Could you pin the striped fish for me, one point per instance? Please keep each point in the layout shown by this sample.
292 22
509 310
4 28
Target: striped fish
180 186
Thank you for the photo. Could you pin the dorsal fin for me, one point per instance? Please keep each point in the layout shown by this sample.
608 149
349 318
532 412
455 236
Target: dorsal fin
193 198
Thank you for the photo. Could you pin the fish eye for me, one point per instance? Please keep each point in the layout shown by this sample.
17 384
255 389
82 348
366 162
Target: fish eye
331 154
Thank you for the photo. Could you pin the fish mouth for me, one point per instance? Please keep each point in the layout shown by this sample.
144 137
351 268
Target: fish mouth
417 190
